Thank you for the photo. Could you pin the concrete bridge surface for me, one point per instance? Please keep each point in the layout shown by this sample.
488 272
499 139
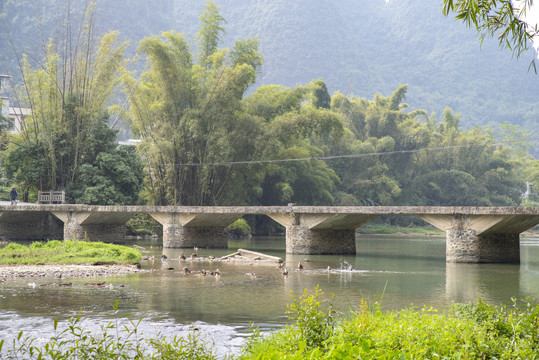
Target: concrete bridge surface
473 234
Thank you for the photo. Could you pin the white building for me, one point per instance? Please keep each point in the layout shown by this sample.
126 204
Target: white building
14 113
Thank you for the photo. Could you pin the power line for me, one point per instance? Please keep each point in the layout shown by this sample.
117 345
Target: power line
347 156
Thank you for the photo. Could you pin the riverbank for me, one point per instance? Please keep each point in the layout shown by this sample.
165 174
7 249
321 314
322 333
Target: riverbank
65 271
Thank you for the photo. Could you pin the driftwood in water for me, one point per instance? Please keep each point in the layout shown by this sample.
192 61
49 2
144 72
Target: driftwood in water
249 255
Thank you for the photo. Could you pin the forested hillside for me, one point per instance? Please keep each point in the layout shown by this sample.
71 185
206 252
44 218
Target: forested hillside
357 47
258 103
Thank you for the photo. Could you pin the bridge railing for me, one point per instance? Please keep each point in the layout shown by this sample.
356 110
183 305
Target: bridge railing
51 197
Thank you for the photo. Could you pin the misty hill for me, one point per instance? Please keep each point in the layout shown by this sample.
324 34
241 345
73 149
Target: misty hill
358 47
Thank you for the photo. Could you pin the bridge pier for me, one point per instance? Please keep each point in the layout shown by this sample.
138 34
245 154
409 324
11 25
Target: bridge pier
182 230
321 234
177 236
81 225
31 226
302 240
481 238
465 246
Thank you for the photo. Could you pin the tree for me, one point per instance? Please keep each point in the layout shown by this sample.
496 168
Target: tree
67 131
504 19
190 117
210 32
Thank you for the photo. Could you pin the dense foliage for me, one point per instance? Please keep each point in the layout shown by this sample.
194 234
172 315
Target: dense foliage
358 48
68 252
468 331
66 142
209 138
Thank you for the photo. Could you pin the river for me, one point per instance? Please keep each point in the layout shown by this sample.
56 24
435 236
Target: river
398 271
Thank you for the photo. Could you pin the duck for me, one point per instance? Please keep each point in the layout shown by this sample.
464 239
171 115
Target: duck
182 256
328 268
285 272
193 255
300 266
186 270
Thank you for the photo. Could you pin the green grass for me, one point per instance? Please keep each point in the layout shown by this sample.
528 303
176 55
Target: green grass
472 331
67 252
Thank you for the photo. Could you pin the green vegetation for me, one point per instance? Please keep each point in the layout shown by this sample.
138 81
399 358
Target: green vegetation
384 228
66 142
68 252
503 19
119 339
318 331
472 331
239 228
208 138
143 224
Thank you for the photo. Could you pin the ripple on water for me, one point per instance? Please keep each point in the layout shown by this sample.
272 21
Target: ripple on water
226 340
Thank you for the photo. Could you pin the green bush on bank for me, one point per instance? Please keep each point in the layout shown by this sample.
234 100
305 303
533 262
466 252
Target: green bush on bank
68 252
473 331
239 228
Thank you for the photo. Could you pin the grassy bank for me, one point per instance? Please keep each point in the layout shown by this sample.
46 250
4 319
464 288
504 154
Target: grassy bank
68 252
472 331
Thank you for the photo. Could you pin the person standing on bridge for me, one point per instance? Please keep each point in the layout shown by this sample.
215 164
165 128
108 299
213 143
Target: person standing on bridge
14 195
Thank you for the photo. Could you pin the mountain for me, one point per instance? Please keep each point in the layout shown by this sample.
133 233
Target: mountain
358 47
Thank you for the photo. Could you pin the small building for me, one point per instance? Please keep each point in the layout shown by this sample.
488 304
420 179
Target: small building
16 114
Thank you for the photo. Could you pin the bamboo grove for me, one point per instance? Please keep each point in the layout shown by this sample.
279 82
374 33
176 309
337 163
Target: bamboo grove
209 136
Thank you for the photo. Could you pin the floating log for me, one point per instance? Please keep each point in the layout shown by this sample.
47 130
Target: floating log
252 256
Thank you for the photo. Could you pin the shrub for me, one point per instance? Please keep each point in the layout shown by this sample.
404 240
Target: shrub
471 331
119 339
239 228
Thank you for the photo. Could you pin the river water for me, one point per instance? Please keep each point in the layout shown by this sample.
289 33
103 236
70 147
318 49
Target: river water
398 271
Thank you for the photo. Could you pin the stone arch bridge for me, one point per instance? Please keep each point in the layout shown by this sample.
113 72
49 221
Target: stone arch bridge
473 234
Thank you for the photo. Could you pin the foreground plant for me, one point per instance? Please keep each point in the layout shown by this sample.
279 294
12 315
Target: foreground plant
472 331
115 340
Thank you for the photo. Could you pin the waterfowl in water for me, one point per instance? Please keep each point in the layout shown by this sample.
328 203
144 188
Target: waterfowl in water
285 272
182 256
186 270
193 255
300 266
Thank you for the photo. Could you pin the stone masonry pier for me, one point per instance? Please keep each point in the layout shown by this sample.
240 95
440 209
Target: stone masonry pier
473 234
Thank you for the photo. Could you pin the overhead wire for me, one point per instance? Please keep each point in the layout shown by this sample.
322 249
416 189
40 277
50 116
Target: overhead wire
345 156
